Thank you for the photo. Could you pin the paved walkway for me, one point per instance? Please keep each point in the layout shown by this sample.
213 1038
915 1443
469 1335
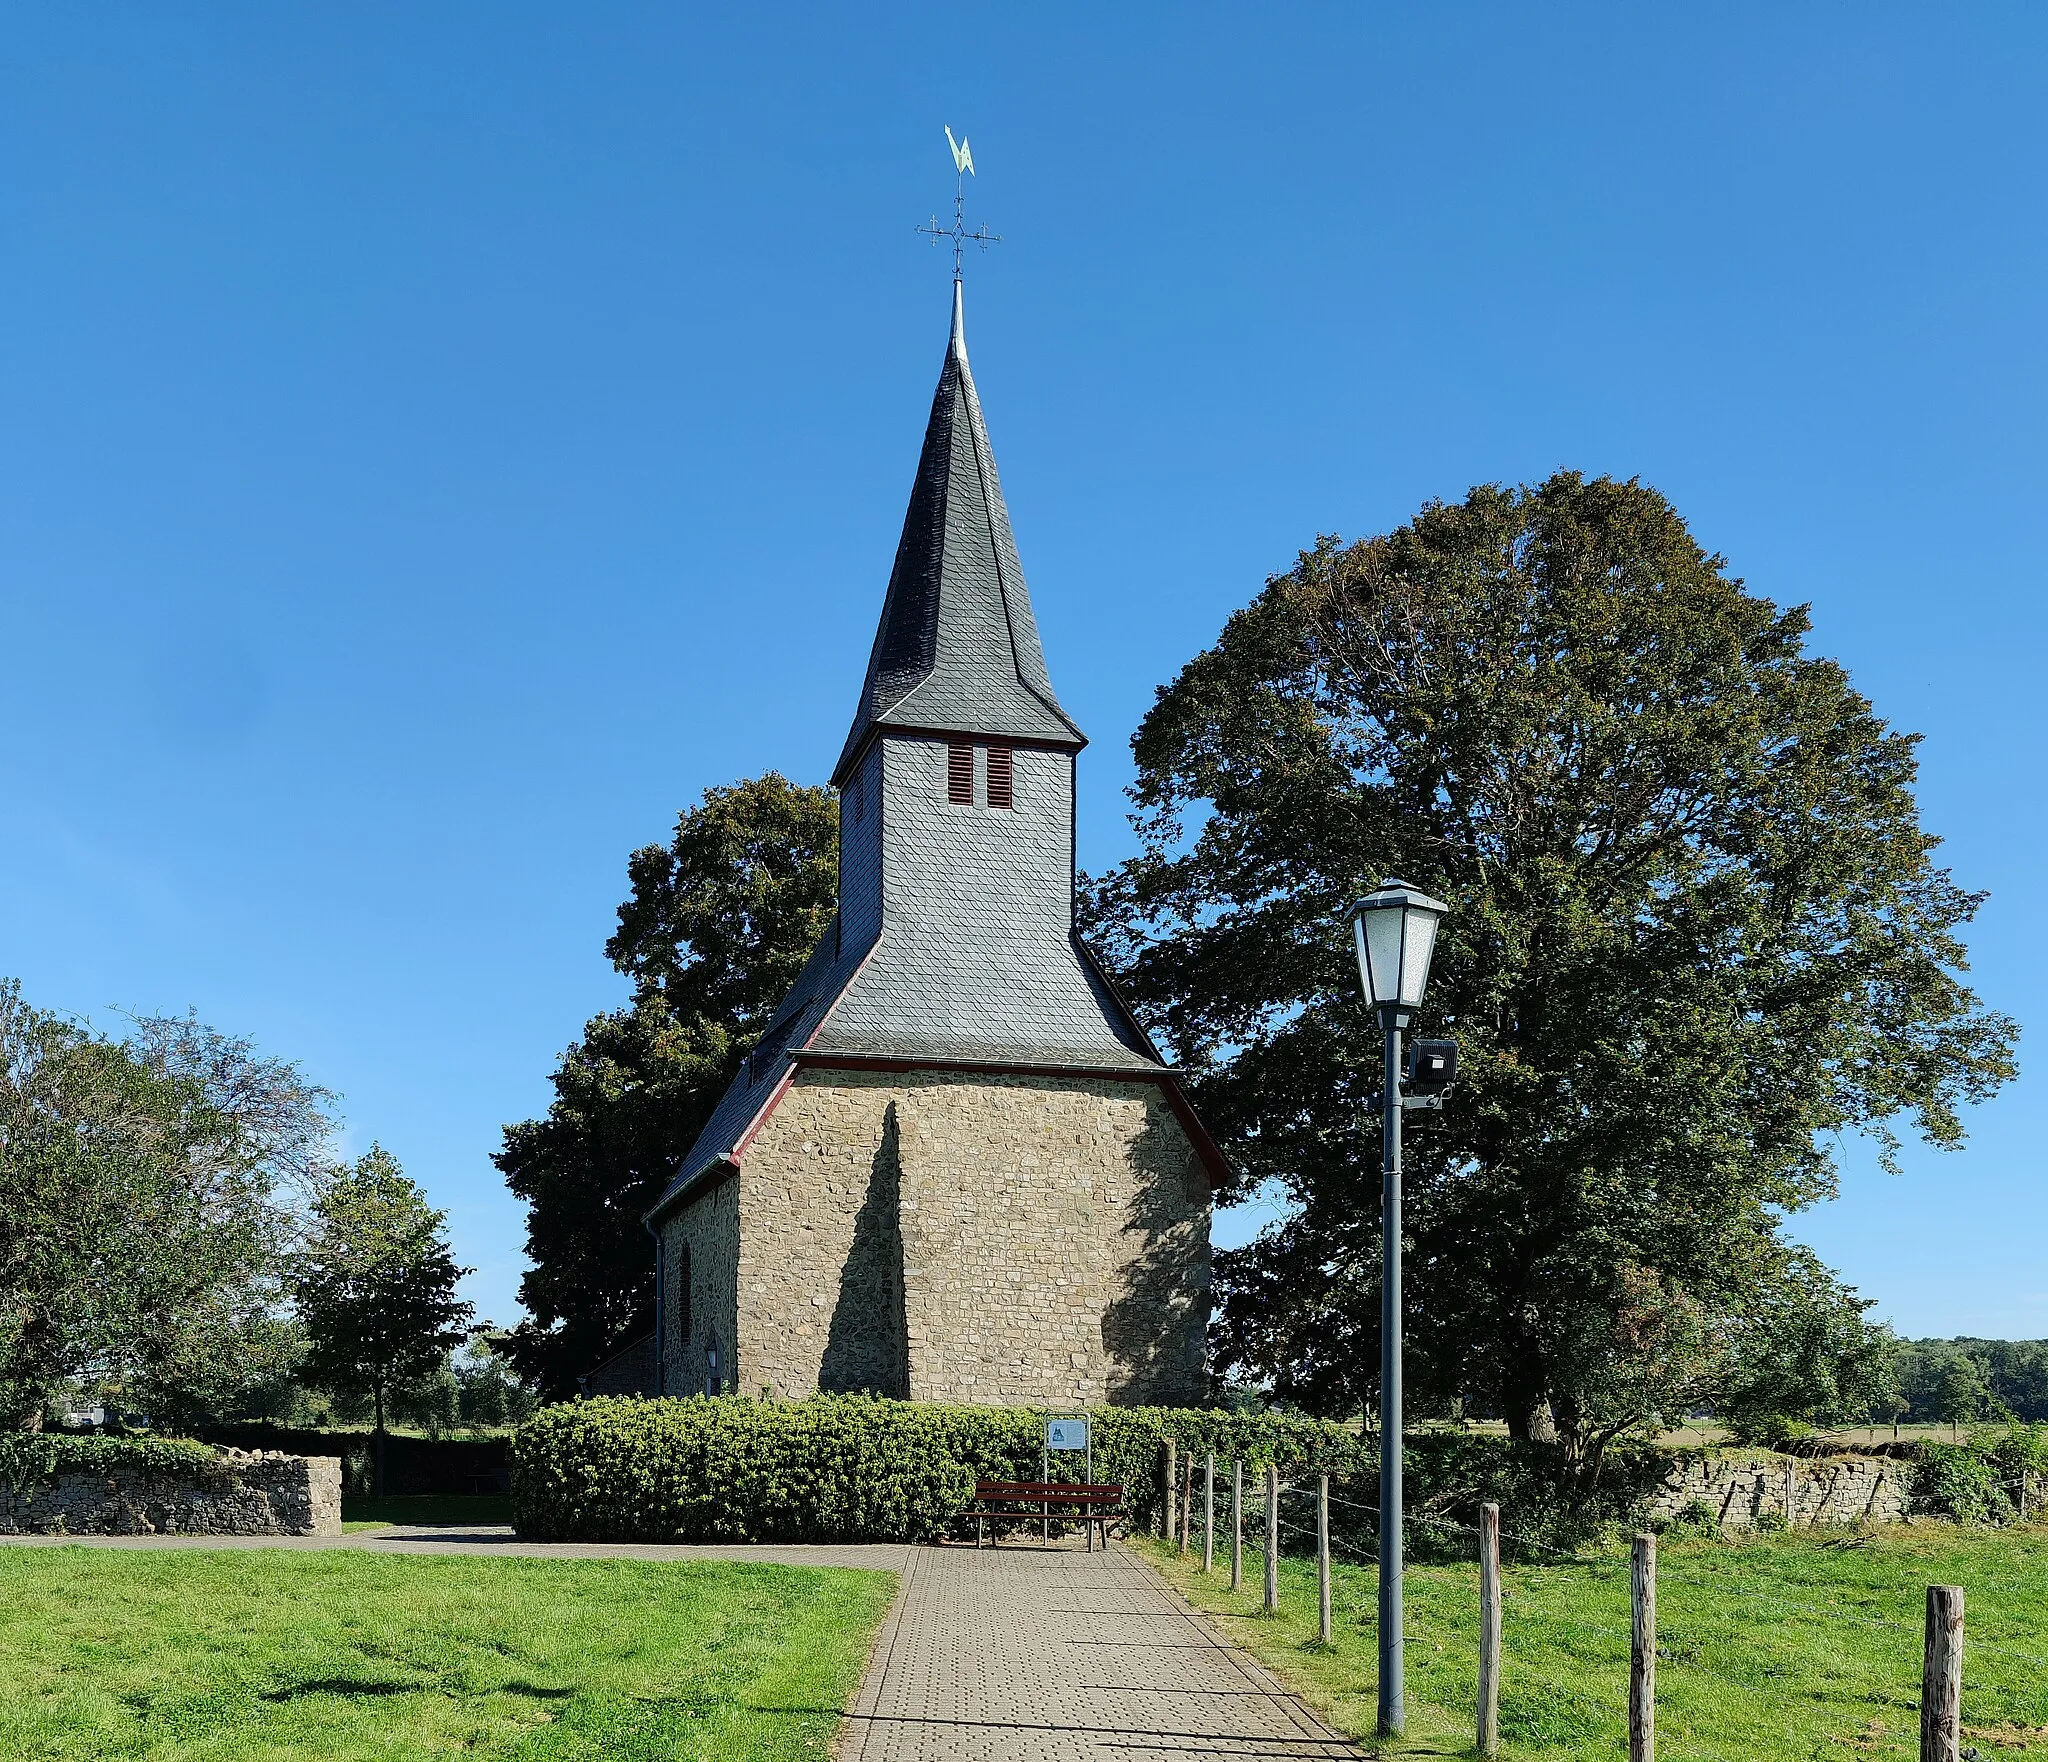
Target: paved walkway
1022 1654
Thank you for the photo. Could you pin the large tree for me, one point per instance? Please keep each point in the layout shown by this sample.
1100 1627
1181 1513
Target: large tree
719 921
142 1211
374 1285
1696 932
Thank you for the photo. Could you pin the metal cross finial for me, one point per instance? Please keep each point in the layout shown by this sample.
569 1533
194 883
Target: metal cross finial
963 169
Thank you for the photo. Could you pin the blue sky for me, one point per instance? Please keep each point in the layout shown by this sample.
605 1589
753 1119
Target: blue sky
437 443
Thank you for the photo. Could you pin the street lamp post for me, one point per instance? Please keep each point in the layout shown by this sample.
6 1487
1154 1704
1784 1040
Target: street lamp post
1394 928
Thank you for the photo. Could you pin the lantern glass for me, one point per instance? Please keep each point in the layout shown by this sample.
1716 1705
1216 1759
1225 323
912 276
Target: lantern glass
1395 931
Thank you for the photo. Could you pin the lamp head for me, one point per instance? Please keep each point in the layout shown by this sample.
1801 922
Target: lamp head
1394 929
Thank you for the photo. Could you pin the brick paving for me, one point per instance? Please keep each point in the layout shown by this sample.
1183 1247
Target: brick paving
1023 1654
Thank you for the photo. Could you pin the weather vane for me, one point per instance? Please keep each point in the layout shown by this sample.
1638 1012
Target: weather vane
963 169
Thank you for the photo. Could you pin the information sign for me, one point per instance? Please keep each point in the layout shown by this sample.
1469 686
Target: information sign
1066 1434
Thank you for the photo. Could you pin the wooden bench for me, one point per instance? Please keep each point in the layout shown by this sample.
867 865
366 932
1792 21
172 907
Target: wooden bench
1098 1504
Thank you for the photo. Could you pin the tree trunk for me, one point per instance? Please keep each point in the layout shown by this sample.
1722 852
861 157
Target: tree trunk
377 1456
1531 1421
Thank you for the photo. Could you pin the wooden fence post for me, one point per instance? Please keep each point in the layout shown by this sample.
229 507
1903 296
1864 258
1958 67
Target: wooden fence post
1489 1630
1323 1557
1272 1539
1166 1490
1642 1652
1209 1512
1236 1522
1187 1498
1941 1675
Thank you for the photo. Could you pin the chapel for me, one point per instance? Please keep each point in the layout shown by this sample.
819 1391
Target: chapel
954 1168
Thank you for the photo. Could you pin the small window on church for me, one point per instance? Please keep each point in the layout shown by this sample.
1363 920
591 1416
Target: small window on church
960 772
999 778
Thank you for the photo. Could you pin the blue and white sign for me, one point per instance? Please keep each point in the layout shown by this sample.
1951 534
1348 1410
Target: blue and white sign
1066 1434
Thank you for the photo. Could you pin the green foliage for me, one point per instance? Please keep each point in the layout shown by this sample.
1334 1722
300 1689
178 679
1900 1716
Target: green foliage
856 1468
29 1458
1992 1477
1698 1522
1696 932
2013 1375
839 1467
719 923
140 1231
1801 1355
375 1284
732 1470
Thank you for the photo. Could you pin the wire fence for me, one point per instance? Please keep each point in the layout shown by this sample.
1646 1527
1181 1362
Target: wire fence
1344 1532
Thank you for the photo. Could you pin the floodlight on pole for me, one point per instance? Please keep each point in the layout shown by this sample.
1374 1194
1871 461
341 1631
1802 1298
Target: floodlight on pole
1394 929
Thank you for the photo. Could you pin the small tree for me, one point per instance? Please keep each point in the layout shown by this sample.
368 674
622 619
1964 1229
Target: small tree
1962 1394
376 1288
139 1229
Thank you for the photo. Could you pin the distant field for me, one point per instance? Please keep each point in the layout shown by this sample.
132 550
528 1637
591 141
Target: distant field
341 1656
1796 1647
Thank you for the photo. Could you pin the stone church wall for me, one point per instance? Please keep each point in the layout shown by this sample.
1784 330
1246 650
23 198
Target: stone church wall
702 1307
964 1237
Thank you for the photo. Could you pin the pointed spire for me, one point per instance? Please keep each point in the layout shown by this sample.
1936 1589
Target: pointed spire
957 650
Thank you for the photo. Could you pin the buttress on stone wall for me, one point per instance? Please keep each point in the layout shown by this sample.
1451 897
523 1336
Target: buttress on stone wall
951 1236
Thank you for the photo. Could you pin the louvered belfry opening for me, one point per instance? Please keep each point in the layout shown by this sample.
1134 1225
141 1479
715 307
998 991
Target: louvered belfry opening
960 772
1000 793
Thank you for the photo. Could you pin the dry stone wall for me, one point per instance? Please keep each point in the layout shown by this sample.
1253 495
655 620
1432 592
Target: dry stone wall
949 1236
1741 1489
246 1493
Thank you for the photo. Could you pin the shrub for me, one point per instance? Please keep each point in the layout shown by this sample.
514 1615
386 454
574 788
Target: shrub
1699 1521
857 1468
29 1458
841 1467
1983 1479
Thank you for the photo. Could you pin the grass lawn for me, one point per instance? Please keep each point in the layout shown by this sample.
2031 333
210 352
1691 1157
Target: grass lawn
426 1508
342 1655
1798 1646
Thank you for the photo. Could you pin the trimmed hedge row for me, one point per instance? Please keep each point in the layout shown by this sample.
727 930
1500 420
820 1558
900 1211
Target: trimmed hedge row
849 1468
727 1469
29 1458
839 1467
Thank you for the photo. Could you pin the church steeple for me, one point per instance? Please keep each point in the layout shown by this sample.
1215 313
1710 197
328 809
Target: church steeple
957 651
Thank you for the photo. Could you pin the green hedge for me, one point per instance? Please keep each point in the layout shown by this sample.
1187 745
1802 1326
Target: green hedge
29 1458
840 1467
854 1468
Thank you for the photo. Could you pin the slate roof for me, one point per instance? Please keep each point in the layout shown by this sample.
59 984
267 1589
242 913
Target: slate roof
957 651
856 1003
